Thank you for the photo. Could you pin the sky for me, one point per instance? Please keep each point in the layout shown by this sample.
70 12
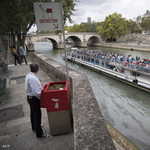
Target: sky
97 10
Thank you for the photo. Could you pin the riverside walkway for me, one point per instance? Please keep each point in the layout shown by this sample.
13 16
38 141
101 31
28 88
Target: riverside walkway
15 128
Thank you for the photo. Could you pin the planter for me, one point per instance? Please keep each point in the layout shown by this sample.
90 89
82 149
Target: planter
55 98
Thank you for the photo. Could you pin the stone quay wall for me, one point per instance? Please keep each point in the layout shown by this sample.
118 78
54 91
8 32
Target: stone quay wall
90 129
128 46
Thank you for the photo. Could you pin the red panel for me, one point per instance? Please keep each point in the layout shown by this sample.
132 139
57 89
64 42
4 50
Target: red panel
56 100
49 10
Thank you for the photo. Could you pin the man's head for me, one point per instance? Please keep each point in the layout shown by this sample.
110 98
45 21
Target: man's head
34 67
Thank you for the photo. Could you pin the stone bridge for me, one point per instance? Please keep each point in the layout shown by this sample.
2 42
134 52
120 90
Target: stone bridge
80 39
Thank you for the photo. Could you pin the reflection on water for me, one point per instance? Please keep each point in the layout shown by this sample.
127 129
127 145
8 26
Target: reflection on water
126 108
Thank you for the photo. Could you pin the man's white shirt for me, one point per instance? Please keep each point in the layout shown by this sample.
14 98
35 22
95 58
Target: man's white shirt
32 85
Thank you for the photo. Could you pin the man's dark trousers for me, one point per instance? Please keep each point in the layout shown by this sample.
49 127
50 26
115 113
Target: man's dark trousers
35 115
23 57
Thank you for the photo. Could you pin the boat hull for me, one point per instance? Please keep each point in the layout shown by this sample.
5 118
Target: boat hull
116 77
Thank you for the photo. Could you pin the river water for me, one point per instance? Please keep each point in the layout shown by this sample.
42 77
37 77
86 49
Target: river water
124 107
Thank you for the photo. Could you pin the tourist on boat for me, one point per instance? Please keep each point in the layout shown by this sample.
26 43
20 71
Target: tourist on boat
129 61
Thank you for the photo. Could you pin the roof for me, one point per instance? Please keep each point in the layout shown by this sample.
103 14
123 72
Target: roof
147 13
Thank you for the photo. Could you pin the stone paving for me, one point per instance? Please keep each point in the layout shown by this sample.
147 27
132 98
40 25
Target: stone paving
16 134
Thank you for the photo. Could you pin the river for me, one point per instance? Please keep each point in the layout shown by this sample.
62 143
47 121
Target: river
124 107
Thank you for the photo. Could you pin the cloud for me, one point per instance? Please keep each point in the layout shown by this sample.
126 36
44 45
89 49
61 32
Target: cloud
99 9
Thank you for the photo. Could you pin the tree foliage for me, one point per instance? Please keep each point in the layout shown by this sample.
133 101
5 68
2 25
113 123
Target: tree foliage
17 16
114 26
91 27
145 24
132 26
76 28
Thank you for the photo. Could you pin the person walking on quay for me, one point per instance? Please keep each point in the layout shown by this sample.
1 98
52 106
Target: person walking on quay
22 54
33 90
14 53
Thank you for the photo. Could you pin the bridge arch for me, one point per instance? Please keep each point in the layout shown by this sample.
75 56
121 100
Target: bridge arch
81 39
54 42
93 41
77 41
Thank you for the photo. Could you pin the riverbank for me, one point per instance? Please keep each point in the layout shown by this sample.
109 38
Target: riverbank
128 46
120 139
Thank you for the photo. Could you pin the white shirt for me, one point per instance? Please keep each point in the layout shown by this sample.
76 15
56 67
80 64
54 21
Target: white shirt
33 85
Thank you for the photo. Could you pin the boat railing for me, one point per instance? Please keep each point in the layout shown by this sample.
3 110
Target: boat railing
115 62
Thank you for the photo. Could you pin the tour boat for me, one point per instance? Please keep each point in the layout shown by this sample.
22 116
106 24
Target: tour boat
135 75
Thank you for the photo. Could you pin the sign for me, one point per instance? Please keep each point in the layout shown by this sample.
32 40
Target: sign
56 104
48 16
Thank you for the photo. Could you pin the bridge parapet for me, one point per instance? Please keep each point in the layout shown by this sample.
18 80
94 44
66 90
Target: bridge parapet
80 39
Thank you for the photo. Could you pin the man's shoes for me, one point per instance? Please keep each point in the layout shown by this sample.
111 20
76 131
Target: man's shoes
44 136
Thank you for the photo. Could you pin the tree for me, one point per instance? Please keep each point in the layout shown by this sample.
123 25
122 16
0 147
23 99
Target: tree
145 24
17 16
76 28
114 26
92 27
132 26
138 20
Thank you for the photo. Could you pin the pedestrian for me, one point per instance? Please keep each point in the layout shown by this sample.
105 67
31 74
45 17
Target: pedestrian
14 53
33 90
22 54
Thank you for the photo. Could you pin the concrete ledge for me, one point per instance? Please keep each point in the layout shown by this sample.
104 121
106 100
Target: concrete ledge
90 130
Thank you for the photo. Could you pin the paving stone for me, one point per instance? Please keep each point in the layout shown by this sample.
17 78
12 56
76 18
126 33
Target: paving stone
14 130
26 113
8 142
25 127
2 98
10 104
13 82
21 101
25 136
26 106
44 121
16 122
19 146
59 143
11 100
32 144
45 141
46 127
70 139
20 81
2 126
44 147
70 148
